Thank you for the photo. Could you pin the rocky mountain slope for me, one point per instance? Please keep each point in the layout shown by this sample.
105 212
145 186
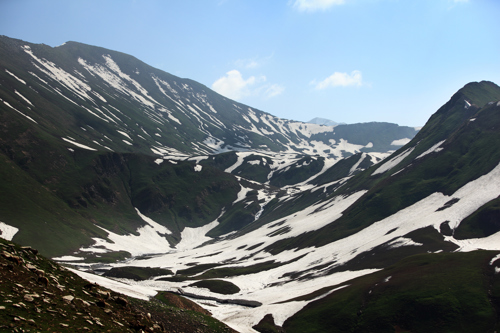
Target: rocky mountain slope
39 295
271 224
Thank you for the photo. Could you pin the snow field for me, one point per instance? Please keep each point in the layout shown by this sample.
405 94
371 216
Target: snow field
258 287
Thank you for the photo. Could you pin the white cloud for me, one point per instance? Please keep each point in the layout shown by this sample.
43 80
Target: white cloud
315 5
233 86
338 79
254 62
247 63
274 90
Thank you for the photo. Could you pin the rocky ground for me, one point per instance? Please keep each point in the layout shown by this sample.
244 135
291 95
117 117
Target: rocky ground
38 295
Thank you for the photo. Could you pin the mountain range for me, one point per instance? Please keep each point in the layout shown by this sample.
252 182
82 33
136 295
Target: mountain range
115 167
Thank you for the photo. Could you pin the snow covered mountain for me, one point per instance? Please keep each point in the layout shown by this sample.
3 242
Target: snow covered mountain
96 114
271 223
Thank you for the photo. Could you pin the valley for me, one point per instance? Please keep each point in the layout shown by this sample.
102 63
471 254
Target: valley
144 182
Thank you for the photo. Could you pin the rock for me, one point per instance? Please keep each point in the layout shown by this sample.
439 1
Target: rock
101 303
31 267
39 272
121 301
105 294
28 298
68 298
81 301
64 325
2 307
43 280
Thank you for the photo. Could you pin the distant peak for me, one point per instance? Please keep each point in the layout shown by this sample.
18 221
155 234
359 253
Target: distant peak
323 121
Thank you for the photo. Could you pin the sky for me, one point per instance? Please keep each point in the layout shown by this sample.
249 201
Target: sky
349 61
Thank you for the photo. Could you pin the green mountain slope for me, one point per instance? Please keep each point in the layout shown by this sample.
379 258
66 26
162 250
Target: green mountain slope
454 292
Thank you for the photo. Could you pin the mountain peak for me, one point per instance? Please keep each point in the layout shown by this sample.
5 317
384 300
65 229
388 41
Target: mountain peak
324 121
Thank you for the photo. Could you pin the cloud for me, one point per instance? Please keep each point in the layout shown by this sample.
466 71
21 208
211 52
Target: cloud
274 90
338 79
254 62
234 86
247 63
315 5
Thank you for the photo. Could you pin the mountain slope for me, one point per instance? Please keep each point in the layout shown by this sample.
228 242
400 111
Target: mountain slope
431 292
411 203
97 134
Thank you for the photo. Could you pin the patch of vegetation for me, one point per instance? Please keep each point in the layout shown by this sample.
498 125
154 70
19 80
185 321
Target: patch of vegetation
483 222
136 273
299 171
267 325
217 286
108 257
445 292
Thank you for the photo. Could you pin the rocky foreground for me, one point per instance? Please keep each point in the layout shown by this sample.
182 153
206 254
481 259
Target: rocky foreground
38 295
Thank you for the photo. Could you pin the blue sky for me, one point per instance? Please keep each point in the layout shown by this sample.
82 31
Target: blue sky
346 60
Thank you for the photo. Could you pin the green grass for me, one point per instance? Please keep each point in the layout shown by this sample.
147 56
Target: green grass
217 286
136 273
446 292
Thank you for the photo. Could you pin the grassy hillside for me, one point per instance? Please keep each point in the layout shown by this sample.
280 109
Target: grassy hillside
38 295
452 292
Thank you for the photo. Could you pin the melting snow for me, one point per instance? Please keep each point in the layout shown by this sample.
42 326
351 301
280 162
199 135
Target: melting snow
150 240
7 232
433 149
68 258
78 144
124 134
27 117
393 161
20 80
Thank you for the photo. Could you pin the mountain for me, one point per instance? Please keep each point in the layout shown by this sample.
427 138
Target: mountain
271 224
324 121
91 136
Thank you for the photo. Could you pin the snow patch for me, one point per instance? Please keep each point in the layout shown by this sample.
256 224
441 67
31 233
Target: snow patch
393 161
68 258
124 134
433 149
25 99
7 232
12 74
402 241
400 142
27 117
78 144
